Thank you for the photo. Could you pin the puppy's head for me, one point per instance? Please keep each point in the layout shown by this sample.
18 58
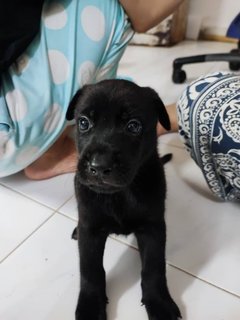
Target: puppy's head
116 132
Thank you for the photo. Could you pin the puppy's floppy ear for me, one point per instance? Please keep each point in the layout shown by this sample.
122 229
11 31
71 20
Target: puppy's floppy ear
162 112
72 105
163 115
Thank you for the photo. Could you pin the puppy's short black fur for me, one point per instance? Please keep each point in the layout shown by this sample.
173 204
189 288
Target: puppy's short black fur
120 188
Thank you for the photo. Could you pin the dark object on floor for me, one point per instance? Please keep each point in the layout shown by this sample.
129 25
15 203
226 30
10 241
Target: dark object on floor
120 188
179 75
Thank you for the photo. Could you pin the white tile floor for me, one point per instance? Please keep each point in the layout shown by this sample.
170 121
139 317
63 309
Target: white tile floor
39 262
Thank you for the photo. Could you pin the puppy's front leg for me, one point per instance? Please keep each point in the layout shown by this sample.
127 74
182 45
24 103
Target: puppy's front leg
92 298
156 297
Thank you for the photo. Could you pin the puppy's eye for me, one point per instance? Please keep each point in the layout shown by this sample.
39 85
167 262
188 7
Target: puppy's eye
134 127
84 124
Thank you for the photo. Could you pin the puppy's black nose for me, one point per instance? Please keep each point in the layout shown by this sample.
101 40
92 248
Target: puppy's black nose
100 164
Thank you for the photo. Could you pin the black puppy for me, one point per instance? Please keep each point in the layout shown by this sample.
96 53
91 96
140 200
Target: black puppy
120 188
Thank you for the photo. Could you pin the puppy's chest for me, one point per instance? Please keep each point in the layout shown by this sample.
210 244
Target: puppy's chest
124 223
119 217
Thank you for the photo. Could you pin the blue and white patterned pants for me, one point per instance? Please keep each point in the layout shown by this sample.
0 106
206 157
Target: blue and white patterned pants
209 123
79 42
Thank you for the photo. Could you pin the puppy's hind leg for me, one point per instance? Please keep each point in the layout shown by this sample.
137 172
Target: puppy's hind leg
155 294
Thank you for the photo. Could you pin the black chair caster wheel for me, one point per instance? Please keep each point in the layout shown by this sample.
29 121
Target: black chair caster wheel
234 66
179 76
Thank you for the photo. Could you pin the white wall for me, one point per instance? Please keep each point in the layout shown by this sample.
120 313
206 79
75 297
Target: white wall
211 16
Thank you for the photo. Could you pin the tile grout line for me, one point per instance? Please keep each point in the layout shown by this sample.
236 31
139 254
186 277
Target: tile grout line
64 203
30 234
66 216
112 237
55 211
121 242
34 200
182 270
205 281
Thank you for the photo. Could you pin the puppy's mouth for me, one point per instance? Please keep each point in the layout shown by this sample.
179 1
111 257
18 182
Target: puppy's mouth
106 179
104 187
101 184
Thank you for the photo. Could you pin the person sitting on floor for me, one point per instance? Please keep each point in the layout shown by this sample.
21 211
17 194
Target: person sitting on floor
68 44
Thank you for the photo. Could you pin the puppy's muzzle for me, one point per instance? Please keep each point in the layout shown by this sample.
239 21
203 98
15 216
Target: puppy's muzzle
101 172
100 166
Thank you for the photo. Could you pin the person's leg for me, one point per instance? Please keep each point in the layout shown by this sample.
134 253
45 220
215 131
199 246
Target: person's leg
59 159
62 156
208 116
36 91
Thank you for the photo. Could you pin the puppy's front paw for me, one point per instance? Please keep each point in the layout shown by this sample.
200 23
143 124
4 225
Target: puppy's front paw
91 307
162 310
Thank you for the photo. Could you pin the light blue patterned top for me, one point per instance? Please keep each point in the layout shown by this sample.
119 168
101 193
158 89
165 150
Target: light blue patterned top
80 42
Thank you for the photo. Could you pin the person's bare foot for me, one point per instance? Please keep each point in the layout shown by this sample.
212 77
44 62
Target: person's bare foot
59 159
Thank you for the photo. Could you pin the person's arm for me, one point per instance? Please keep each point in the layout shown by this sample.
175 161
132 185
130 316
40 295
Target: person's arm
145 14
